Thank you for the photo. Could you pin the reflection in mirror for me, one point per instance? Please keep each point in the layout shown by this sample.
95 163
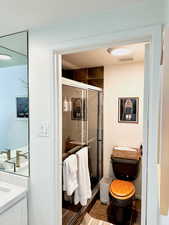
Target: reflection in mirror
14 107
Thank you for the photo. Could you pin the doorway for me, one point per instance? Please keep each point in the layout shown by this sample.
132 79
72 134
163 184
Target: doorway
119 72
146 115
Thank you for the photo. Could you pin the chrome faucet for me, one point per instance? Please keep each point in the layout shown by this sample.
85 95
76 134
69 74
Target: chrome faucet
18 155
7 152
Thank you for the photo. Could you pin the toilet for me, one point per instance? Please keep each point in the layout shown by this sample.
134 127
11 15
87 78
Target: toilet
125 164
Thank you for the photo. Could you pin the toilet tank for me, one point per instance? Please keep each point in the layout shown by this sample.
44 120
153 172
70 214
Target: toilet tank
125 169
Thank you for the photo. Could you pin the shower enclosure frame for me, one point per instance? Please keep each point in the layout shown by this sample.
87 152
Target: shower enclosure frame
86 87
85 137
153 36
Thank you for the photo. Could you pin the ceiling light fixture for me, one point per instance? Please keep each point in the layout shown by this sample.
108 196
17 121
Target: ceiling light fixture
5 57
119 51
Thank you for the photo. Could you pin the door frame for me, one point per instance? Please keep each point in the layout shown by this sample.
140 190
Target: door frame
152 35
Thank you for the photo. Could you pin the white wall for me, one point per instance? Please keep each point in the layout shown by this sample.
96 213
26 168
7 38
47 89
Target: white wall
164 147
125 80
164 220
66 31
43 180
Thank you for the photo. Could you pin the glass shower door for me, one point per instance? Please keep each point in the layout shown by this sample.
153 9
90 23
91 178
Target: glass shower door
81 125
94 136
74 119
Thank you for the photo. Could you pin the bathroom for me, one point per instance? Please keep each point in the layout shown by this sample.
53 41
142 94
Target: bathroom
116 76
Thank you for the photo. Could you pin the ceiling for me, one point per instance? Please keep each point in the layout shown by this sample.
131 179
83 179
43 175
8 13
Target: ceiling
100 57
18 15
17 59
15 46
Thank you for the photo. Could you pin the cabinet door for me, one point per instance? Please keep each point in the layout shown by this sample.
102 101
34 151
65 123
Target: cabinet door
16 215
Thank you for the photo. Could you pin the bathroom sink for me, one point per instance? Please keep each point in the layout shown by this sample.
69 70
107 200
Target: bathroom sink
4 189
123 148
9 195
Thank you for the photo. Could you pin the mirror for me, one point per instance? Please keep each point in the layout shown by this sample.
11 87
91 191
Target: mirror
14 104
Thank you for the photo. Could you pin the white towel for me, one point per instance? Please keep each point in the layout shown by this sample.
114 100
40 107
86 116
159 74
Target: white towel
70 182
83 192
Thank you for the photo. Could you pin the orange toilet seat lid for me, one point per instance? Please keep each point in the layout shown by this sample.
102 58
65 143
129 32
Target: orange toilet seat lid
121 188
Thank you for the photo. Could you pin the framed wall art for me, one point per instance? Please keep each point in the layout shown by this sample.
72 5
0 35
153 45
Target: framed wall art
22 107
128 110
78 109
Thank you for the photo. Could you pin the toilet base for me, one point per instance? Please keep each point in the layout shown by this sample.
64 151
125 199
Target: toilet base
119 215
119 211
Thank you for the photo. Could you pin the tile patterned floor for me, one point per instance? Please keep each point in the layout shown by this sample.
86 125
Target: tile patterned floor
88 220
99 211
99 214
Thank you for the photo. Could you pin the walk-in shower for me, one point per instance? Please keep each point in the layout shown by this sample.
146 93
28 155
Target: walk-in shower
82 125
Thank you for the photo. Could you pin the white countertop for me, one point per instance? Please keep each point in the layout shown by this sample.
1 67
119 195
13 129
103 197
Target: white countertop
10 194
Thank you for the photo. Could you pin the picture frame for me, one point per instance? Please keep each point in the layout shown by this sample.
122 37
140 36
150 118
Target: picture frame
22 107
78 109
128 110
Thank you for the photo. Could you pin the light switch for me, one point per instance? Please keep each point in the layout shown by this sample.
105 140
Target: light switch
44 129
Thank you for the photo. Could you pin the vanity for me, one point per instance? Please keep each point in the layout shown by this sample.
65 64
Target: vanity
13 204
